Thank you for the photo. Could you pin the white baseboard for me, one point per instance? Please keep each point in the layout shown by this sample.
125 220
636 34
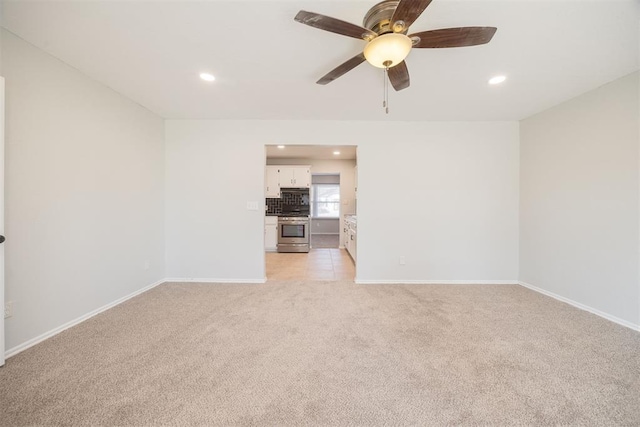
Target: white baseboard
22 347
582 306
209 280
436 282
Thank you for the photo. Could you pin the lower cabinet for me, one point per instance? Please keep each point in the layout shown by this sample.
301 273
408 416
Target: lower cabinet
270 233
353 244
345 233
350 242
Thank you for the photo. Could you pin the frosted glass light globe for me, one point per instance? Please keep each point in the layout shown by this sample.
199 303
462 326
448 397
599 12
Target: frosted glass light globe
387 50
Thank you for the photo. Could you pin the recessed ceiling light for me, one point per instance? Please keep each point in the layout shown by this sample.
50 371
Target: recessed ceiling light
207 77
336 153
281 146
497 80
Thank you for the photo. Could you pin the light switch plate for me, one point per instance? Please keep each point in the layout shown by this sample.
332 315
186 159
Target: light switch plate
252 206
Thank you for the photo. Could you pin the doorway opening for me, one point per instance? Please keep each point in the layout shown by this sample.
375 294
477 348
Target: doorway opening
324 179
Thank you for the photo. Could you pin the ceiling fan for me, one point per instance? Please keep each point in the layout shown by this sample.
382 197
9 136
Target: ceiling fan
385 28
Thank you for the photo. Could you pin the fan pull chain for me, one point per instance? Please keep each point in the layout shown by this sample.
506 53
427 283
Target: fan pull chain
385 90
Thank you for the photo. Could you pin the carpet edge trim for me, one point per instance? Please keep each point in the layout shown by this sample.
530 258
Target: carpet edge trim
436 282
581 306
55 331
210 280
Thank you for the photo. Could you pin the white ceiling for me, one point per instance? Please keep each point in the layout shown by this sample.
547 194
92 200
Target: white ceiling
319 152
266 64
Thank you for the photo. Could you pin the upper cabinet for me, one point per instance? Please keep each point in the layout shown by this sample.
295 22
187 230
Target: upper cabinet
272 182
295 176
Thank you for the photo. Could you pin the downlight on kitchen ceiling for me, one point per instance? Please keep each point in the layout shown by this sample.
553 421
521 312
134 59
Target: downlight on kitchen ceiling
497 80
207 77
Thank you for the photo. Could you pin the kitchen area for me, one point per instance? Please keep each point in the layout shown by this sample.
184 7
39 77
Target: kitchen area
310 206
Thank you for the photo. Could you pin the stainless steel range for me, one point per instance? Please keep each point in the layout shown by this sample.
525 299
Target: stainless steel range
293 233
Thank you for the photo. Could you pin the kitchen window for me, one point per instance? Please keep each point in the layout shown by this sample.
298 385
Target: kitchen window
325 200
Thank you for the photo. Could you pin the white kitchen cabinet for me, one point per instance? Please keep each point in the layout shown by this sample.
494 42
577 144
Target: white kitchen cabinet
353 245
286 176
302 177
345 233
270 233
295 176
352 239
272 182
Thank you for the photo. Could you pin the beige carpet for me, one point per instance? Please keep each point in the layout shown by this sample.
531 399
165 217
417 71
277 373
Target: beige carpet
330 353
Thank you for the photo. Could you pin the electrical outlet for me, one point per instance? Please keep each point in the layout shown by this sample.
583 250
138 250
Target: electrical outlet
402 261
8 309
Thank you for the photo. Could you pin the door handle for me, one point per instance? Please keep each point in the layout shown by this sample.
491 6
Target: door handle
2 239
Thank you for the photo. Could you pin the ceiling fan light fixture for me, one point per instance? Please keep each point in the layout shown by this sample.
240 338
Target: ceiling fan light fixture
387 50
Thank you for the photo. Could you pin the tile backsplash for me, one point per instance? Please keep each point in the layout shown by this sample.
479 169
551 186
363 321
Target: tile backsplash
274 206
294 197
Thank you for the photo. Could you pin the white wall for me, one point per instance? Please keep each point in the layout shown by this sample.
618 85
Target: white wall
84 193
325 226
444 195
346 170
579 207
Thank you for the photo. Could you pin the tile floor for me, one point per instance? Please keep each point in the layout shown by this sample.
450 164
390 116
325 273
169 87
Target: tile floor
325 240
319 264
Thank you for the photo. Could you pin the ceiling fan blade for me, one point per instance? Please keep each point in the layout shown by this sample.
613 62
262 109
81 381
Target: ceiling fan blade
409 10
334 25
399 76
454 37
342 69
